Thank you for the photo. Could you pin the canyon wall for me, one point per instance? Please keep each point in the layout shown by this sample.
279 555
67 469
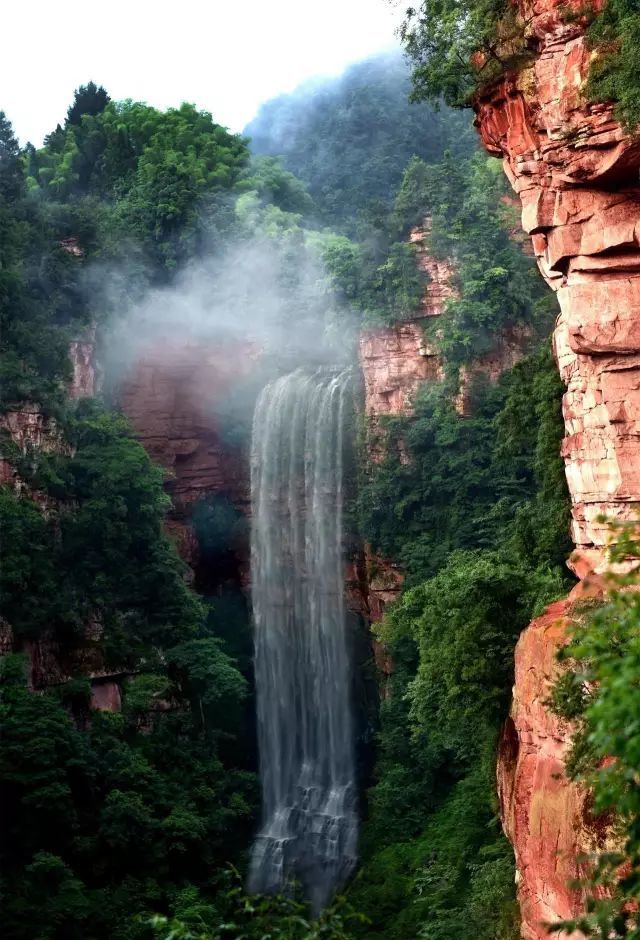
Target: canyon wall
184 400
394 361
575 171
181 397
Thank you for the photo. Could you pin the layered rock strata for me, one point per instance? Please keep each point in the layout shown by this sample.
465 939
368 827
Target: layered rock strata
547 818
395 361
179 398
575 171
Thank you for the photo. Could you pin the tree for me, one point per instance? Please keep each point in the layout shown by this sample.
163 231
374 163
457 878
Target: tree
87 99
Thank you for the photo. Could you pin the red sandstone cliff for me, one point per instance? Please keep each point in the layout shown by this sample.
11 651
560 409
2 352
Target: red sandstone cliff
174 395
547 818
576 173
395 360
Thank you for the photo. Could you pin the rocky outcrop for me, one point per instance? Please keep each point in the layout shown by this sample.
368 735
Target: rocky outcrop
83 382
24 430
546 817
396 359
575 171
179 396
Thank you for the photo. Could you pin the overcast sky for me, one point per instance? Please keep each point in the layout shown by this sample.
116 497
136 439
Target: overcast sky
226 57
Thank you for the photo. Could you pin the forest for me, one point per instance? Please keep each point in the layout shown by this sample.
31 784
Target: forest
137 822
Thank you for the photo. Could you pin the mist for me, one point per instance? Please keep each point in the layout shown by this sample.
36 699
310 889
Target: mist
272 295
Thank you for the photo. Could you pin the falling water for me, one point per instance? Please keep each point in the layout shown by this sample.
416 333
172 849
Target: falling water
303 674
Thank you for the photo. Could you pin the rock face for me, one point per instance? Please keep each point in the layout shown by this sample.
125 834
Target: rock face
176 396
83 363
546 817
576 173
396 359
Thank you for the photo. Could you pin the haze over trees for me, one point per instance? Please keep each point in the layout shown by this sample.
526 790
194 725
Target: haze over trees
124 825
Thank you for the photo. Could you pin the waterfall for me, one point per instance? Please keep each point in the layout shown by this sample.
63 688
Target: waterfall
303 674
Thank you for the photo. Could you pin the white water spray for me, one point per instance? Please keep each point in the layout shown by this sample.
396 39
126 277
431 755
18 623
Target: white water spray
303 674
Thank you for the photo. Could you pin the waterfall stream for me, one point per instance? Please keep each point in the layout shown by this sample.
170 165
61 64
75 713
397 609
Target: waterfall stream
303 674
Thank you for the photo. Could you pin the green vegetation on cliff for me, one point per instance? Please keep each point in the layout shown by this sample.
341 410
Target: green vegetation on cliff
458 46
473 224
615 73
598 689
115 818
476 511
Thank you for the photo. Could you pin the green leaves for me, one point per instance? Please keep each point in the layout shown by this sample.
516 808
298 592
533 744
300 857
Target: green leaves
476 510
613 76
455 45
599 689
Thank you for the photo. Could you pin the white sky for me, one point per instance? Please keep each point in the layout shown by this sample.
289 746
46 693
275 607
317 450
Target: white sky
226 57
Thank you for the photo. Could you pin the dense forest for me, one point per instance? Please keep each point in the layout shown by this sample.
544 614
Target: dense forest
136 823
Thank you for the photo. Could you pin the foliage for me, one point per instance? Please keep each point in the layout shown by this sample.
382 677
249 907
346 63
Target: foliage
276 186
613 75
104 823
155 170
236 916
493 478
103 554
40 300
475 509
457 45
89 99
472 224
600 691
349 139
454 880
381 281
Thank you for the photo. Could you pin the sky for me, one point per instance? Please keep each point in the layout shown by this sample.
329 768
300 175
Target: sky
225 56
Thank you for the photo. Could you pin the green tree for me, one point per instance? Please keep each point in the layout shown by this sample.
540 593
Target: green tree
87 99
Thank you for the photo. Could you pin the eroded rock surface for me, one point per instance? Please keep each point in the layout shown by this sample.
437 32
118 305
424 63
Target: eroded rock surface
180 398
576 173
546 817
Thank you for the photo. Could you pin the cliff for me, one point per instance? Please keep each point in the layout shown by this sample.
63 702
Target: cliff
175 395
576 174
395 360
28 430
547 818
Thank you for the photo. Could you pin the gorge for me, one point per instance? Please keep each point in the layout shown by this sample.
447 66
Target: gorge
310 457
